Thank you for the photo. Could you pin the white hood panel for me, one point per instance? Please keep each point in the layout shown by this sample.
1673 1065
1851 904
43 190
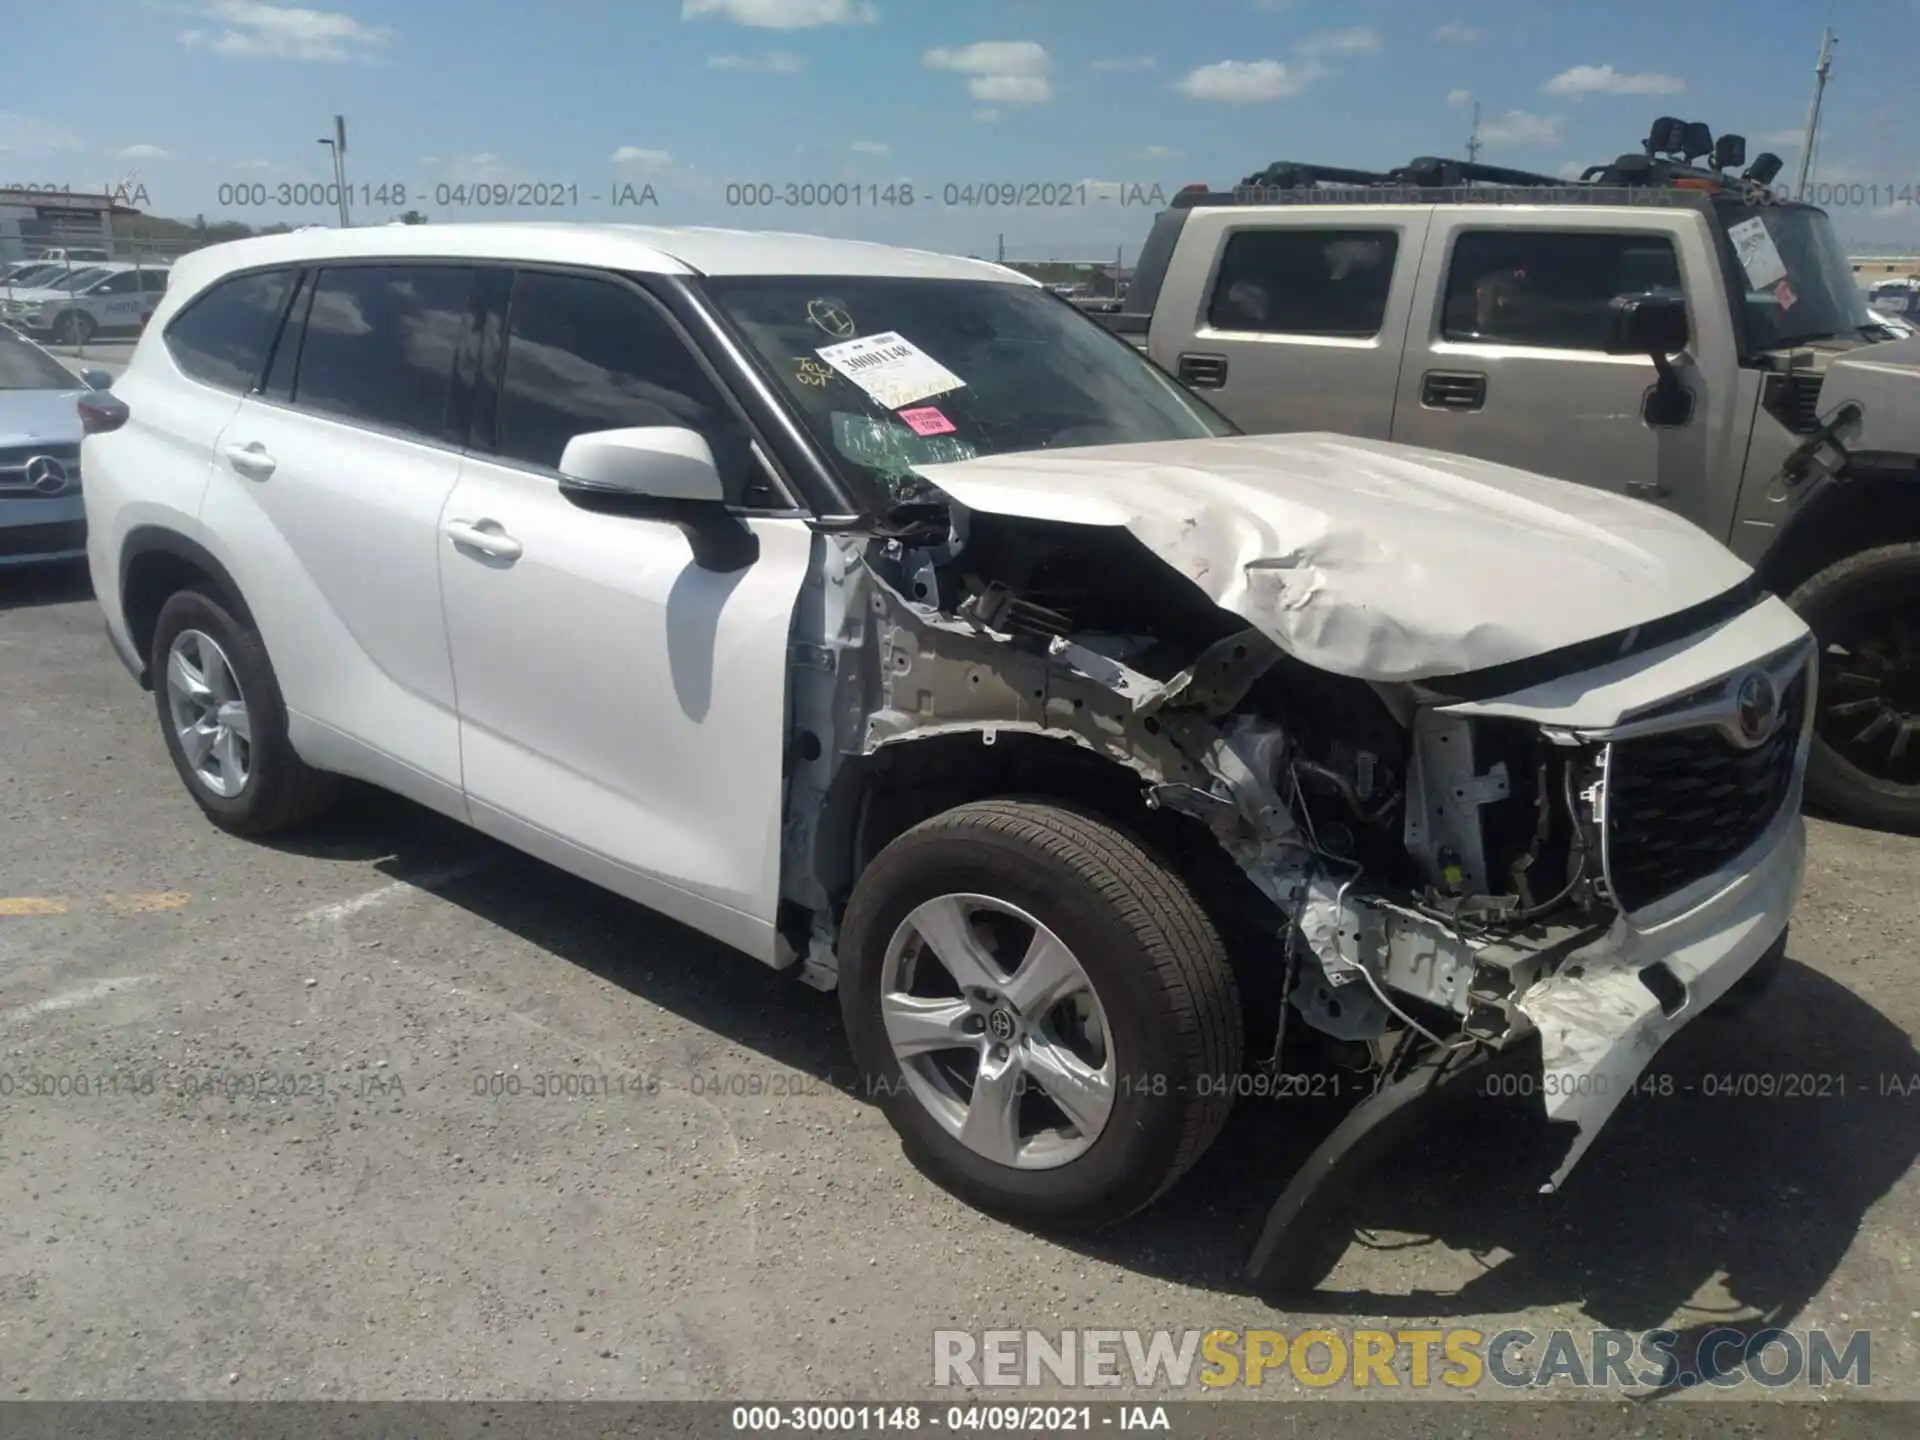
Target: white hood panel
1363 558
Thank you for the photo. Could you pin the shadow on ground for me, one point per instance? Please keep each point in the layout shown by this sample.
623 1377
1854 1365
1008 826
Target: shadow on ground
62 582
1681 1188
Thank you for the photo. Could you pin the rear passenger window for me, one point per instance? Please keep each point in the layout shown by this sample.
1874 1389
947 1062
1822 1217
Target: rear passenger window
586 355
379 345
222 337
1547 288
1305 282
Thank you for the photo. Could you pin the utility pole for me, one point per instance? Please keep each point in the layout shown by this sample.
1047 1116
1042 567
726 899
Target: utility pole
1473 140
340 164
1807 141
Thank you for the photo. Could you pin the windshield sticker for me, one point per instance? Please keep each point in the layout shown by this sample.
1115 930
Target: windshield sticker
1783 292
831 319
928 421
809 371
1759 257
893 370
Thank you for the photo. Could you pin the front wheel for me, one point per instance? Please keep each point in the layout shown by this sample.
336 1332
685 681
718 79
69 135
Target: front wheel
1865 760
1042 1010
73 328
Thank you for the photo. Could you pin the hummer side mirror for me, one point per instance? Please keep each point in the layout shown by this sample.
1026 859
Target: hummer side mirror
1654 326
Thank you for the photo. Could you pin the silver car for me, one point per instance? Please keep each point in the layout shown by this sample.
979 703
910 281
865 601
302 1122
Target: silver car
42 517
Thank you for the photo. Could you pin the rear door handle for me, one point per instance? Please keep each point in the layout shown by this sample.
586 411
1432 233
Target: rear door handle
486 536
251 459
1453 390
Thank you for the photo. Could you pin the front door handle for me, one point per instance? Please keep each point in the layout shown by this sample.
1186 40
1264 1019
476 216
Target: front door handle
486 536
1453 390
251 459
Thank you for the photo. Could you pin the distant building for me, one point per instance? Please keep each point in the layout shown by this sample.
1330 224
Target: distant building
1870 268
35 220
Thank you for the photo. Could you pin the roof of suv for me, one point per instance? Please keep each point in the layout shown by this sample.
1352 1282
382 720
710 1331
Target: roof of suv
651 249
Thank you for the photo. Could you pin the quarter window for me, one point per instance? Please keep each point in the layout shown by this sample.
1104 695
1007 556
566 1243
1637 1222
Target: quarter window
586 354
1305 282
1550 289
379 343
222 337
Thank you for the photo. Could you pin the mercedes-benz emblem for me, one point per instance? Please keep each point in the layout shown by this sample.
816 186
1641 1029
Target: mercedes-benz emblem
1756 706
831 318
1000 1025
46 474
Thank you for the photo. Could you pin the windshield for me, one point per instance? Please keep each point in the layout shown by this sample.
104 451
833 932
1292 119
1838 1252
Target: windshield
76 280
1799 286
33 275
24 366
949 370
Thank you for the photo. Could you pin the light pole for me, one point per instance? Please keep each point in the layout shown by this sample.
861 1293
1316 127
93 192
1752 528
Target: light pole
337 143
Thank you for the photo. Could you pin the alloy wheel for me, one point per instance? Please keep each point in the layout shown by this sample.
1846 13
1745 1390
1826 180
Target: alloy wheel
998 1031
1870 690
209 713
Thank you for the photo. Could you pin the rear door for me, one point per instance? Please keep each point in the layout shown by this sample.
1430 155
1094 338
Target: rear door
1506 356
326 494
1293 319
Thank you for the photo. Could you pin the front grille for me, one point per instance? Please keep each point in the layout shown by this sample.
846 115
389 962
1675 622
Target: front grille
1681 805
14 484
19 540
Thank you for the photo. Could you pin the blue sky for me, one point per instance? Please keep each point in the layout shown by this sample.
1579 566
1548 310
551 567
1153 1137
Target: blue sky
185 97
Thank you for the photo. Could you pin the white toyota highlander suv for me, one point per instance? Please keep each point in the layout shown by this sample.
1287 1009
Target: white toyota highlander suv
880 615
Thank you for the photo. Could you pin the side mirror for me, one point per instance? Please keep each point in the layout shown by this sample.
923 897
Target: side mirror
96 379
660 472
1653 325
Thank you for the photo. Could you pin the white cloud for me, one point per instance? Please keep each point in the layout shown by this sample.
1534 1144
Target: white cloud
1569 169
1458 98
144 152
1125 66
783 14
268 164
27 136
1584 80
635 157
256 29
1358 40
871 147
774 62
1000 72
1156 152
1455 33
1246 82
484 168
1517 127
986 117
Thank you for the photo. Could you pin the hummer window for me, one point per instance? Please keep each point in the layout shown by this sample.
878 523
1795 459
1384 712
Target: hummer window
1305 282
1550 289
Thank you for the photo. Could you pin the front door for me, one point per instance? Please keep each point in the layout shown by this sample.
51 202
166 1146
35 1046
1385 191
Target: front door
623 712
1506 357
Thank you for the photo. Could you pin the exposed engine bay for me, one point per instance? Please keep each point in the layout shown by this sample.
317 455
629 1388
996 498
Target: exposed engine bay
1428 882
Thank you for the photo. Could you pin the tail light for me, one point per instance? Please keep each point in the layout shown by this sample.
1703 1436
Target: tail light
100 413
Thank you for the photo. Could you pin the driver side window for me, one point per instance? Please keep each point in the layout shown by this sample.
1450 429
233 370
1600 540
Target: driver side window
585 354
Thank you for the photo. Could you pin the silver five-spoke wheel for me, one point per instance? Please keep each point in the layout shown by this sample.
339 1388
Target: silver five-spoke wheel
998 1031
209 713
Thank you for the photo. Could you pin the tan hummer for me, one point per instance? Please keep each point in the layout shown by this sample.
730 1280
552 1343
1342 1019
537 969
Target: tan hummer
1663 328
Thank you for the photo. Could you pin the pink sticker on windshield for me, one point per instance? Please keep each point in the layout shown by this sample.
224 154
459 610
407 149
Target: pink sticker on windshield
927 421
1783 292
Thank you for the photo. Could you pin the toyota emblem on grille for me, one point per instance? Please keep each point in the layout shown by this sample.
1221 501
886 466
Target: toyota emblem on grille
46 474
1756 706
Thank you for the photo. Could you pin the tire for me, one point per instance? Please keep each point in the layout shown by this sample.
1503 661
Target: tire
1166 999
1875 593
278 790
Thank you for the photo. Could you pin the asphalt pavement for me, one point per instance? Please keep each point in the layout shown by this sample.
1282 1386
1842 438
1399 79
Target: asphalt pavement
389 1111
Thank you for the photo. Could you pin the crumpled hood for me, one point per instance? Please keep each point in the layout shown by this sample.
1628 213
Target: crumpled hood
1363 558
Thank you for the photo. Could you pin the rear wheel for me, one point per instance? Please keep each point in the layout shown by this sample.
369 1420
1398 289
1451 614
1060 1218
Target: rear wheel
1042 1010
225 724
1865 761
